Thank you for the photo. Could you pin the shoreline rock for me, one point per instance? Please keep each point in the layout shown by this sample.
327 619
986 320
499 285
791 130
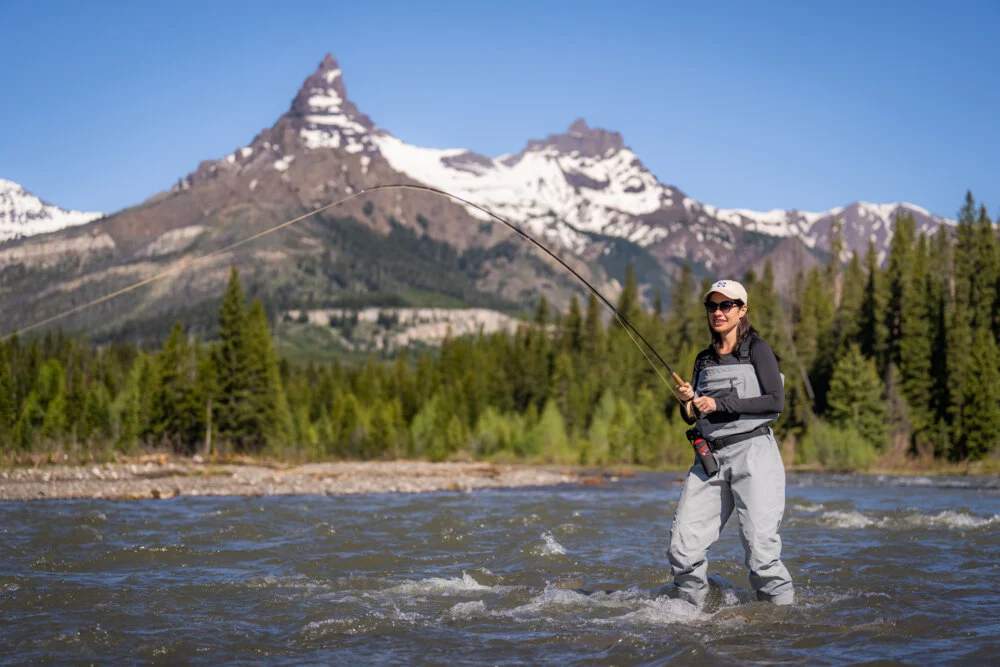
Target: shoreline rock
160 477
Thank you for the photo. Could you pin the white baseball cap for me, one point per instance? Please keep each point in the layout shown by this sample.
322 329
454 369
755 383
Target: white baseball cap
730 288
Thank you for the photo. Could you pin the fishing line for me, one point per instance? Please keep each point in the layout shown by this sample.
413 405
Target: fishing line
622 319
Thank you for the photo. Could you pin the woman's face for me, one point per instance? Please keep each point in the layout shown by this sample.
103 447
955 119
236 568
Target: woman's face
726 316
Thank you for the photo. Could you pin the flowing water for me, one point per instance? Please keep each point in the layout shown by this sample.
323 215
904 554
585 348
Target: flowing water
894 569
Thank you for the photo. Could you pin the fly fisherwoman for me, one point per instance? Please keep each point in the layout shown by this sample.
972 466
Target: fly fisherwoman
735 392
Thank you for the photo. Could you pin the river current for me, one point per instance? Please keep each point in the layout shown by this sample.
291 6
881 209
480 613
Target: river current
893 569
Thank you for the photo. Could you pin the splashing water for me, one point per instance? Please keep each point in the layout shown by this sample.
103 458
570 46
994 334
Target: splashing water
552 548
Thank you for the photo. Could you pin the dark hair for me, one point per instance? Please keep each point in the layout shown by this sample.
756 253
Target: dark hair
743 330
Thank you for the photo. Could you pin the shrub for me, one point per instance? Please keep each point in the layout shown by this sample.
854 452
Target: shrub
836 447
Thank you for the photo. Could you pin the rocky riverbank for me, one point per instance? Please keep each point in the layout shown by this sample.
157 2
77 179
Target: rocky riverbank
162 477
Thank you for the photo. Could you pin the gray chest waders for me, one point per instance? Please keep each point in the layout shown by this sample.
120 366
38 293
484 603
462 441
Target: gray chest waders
745 476
714 431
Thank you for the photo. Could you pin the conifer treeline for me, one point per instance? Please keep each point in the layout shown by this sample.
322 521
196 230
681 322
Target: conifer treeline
904 355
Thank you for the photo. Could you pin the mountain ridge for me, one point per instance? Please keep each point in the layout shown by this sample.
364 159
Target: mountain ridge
578 190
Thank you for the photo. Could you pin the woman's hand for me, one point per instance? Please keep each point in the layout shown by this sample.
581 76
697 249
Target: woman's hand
685 392
705 404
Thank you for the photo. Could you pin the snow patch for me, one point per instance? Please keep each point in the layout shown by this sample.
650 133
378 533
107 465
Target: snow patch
24 214
329 101
541 189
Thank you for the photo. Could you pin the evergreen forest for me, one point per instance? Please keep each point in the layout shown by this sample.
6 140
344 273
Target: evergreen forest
897 357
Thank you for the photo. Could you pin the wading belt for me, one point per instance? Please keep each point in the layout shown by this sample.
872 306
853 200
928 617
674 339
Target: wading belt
719 443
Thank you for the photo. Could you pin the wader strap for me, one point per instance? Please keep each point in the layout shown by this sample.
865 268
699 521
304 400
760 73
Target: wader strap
739 437
743 353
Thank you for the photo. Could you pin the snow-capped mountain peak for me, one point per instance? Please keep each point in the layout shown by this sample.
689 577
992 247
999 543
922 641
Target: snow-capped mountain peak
24 214
581 180
861 221
327 118
566 188
581 141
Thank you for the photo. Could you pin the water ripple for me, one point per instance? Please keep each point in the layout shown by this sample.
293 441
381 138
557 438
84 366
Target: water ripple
886 569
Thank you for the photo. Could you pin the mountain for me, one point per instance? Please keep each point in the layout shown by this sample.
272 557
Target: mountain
583 192
390 248
24 214
860 222
587 181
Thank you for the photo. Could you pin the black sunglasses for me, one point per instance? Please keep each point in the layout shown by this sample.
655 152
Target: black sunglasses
726 306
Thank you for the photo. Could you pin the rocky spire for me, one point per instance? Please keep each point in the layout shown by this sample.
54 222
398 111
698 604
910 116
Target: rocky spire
324 115
579 138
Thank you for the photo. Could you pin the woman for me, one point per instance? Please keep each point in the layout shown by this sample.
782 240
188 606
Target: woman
736 391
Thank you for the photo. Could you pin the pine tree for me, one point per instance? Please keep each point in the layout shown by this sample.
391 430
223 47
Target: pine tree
267 395
768 316
685 324
849 311
629 304
898 283
538 361
402 384
97 418
562 381
815 334
833 273
981 424
914 346
873 334
593 333
234 407
8 404
26 362
649 430
766 311
965 251
77 391
51 388
960 381
207 392
856 397
571 336
171 403
983 288
348 425
542 312
29 422
938 295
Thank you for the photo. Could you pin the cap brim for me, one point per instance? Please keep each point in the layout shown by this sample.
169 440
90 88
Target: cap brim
732 294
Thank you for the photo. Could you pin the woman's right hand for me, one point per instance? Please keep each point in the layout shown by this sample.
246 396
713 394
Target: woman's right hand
685 392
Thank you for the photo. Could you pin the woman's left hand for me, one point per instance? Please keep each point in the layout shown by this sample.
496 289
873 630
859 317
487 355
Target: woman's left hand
704 404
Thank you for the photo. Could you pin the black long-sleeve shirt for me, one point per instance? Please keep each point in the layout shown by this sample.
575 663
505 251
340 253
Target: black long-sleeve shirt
765 364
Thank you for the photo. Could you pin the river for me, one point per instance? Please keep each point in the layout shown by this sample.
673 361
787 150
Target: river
894 569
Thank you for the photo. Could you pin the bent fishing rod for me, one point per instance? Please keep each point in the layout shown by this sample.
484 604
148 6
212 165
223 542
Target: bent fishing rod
622 319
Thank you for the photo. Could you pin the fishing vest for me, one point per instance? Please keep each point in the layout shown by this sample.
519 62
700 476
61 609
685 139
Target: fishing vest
722 380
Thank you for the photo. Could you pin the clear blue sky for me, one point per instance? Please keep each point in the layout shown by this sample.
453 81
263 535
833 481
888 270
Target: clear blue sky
784 104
